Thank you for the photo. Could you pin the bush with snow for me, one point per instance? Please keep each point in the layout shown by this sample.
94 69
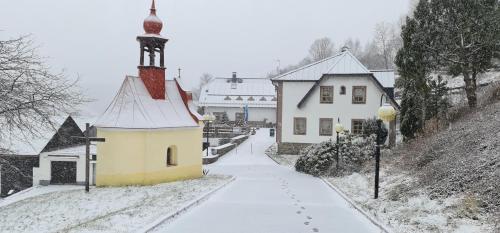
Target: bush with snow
320 159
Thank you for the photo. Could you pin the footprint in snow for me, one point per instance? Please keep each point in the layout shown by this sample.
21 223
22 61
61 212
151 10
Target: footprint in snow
309 217
299 212
302 207
306 223
315 230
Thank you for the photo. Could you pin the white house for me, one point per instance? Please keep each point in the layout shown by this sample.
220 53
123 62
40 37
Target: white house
231 95
65 166
312 98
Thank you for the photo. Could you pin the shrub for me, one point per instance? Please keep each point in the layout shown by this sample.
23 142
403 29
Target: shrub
370 128
319 159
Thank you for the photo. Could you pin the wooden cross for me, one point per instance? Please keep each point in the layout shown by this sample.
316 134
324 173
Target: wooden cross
87 153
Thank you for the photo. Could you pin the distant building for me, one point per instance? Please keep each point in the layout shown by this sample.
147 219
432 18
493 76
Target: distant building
312 98
54 157
153 133
231 95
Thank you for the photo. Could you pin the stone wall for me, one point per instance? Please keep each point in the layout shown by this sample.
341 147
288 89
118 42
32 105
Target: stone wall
16 172
291 148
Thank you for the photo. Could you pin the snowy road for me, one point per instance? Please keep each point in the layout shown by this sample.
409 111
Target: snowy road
268 198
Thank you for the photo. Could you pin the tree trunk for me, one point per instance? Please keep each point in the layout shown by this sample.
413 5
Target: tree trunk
470 89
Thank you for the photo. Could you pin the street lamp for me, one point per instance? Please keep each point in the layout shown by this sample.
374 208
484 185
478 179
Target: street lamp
386 113
338 128
207 118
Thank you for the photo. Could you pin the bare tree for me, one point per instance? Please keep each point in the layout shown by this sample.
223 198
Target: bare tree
205 78
321 49
388 42
32 97
355 47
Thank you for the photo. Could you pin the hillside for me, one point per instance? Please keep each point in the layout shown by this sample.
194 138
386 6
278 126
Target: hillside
446 182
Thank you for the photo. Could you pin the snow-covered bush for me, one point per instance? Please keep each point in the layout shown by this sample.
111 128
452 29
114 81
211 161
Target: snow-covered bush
317 159
320 159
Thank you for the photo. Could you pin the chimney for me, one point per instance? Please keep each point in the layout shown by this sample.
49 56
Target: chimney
234 79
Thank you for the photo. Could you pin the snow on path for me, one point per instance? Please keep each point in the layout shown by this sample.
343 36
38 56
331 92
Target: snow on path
268 198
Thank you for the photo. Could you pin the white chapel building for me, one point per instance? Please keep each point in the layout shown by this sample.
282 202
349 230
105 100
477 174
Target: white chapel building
312 98
231 95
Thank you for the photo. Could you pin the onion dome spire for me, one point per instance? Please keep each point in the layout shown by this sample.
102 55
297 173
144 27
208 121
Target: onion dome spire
153 24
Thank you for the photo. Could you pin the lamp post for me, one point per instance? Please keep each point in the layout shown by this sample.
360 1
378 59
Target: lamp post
207 118
338 128
386 113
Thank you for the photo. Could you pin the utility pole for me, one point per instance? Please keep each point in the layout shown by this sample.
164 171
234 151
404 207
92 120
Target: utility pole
179 72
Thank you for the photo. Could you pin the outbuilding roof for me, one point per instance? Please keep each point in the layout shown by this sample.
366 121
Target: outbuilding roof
133 108
223 92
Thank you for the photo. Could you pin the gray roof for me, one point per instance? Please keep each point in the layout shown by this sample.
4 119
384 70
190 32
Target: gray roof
341 63
254 92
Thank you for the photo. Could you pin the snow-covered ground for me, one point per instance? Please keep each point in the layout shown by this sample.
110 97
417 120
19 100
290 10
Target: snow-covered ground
266 197
407 214
124 209
402 214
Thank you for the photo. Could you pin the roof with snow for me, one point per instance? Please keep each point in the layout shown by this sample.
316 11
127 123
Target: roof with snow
224 92
341 63
50 138
133 108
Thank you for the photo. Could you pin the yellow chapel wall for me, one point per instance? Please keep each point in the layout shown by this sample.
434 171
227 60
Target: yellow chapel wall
138 157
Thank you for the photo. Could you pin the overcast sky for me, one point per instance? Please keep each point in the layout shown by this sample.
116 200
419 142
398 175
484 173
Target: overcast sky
95 39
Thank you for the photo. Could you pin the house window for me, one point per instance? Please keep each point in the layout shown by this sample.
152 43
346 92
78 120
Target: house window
171 157
326 94
342 90
299 125
359 95
325 126
357 126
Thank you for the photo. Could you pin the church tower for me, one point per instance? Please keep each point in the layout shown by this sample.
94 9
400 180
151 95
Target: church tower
153 72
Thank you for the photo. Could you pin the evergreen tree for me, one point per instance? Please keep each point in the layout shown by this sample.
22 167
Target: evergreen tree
411 110
463 36
437 102
414 67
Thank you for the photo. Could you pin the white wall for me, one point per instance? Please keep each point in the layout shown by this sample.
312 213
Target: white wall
341 107
43 172
254 114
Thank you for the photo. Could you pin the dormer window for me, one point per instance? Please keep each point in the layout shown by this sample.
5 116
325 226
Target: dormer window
227 98
251 98
262 98
239 98
274 99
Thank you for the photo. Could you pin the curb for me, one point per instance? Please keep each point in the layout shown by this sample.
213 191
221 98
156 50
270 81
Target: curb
183 208
382 227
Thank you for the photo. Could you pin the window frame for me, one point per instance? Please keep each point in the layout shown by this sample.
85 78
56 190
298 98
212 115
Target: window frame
295 130
322 90
362 121
354 101
330 120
